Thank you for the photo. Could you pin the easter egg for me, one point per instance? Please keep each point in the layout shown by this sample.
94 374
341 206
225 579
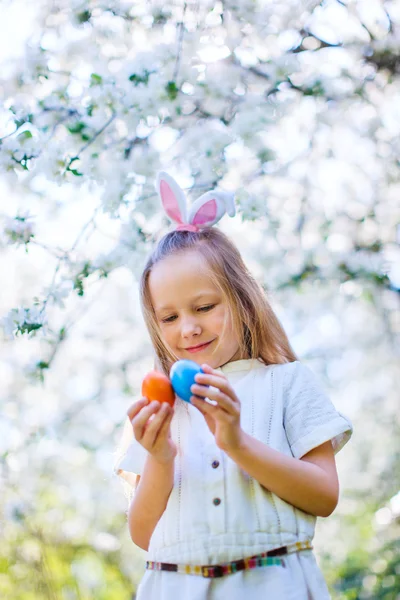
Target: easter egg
157 386
182 376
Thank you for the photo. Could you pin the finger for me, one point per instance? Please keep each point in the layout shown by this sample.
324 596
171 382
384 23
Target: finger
152 427
218 382
209 418
204 407
140 420
212 393
210 411
210 371
136 407
206 369
164 430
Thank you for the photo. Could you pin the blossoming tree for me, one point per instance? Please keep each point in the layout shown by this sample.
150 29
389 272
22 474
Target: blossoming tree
294 106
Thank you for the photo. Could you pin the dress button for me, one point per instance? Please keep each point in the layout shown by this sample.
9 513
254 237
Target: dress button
217 501
215 464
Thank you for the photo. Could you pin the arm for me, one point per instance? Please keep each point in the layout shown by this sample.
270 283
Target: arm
150 500
309 483
151 427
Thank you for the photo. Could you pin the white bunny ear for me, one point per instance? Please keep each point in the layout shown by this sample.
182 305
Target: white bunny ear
172 197
209 208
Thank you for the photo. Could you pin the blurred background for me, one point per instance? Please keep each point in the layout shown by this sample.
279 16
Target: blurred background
295 106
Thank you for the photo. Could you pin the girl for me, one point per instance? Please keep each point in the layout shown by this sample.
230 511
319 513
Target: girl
227 487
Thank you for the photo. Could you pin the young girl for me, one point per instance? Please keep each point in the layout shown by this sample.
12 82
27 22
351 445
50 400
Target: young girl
228 486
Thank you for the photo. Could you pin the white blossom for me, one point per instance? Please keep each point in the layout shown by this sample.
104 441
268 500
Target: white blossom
252 206
18 230
24 320
240 94
58 294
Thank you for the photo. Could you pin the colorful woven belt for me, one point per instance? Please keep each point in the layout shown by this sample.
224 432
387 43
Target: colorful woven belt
265 559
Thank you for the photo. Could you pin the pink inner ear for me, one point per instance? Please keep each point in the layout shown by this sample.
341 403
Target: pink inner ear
170 202
206 213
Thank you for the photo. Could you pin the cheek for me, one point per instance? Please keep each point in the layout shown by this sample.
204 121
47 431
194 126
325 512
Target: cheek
224 321
166 332
167 335
220 320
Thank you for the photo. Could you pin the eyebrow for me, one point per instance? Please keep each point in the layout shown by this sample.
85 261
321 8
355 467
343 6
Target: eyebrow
197 297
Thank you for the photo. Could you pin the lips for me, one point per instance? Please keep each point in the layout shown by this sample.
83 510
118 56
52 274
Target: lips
199 347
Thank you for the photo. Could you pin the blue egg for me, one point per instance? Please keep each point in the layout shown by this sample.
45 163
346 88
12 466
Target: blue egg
182 376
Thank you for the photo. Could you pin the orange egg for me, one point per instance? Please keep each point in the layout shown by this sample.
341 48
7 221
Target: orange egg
157 386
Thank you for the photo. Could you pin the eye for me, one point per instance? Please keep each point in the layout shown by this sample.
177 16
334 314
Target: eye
169 319
206 308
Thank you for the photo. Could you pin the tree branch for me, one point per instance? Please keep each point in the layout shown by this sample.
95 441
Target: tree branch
181 32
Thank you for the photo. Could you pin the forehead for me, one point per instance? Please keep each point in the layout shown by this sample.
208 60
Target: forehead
179 279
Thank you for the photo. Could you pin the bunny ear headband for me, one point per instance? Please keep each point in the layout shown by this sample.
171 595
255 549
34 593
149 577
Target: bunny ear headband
204 212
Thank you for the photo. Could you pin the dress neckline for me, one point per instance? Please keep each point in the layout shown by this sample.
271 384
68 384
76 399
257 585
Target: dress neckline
244 364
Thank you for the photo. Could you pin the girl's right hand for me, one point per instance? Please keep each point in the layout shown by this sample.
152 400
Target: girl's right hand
151 427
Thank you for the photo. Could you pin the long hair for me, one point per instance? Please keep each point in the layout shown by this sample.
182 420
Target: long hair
259 332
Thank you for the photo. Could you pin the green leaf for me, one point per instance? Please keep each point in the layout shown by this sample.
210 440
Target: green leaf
29 327
84 16
78 283
95 79
25 135
172 90
77 127
137 79
42 365
316 90
265 155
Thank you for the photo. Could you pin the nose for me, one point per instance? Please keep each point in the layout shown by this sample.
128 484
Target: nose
190 327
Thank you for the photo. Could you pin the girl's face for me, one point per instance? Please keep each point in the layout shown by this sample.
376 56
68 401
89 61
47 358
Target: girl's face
191 311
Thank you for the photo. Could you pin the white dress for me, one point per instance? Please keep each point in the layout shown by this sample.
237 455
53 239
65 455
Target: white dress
217 513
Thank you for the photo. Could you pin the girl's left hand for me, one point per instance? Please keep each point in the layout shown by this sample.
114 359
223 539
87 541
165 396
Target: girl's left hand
223 420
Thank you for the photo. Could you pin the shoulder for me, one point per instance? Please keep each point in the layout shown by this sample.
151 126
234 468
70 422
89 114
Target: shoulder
287 373
296 375
282 377
285 376
298 383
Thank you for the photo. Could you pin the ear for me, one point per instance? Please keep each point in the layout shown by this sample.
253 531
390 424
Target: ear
172 197
209 208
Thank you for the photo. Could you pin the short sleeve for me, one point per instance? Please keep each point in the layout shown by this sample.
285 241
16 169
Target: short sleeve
310 418
130 456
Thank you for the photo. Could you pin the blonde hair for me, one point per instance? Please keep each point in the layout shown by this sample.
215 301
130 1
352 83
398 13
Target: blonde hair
259 332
